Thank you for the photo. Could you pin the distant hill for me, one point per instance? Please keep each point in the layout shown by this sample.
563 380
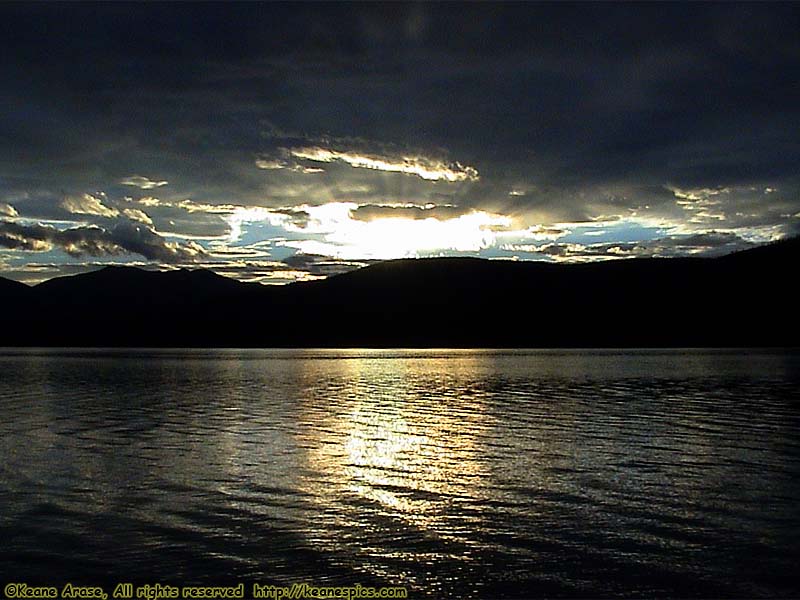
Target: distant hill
131 286
743 299
12 294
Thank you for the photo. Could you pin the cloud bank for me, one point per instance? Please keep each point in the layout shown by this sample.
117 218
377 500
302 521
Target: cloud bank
124 238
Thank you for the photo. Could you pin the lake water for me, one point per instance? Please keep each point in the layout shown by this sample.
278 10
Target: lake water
452 473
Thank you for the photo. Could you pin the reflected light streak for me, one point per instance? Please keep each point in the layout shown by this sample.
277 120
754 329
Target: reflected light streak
391 450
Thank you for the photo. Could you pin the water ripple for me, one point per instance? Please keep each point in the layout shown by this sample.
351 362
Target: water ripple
456 473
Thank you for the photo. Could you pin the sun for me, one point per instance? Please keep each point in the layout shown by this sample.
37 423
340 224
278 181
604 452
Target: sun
340 235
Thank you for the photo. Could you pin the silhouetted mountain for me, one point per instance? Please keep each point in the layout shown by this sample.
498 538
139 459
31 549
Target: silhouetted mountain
777 254
129 285
8 286
743 299
12 295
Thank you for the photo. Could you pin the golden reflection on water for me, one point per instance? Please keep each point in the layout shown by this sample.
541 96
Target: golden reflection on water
400 443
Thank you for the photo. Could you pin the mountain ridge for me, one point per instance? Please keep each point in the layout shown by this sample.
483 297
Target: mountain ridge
740 299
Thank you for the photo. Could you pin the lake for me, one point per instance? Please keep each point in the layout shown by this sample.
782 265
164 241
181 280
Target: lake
453 473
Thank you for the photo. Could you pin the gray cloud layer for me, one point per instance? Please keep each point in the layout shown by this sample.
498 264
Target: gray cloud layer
369 212
707 244
125 237
680 118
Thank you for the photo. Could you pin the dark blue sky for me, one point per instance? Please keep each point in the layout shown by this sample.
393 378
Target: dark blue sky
276 142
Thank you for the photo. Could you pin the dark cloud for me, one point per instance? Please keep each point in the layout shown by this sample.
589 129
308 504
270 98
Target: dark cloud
712 243
561 93
124 238
370 212
182 218
297 217
548 113
317 264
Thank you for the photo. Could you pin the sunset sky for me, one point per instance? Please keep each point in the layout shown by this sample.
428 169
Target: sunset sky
281 142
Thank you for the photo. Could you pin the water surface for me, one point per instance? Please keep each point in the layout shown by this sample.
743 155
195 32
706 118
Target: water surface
454 473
